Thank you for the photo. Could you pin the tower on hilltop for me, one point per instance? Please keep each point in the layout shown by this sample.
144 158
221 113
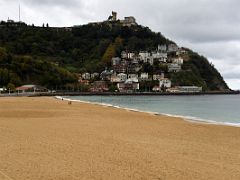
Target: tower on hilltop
114 16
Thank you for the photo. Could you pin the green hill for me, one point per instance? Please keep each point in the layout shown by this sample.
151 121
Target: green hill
16 70
50 56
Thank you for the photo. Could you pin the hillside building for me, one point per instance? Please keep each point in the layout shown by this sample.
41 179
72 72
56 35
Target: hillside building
162 48
122 77
159 56
106 75
174 67
178 60
185 89
124 55
189 89
172 48
129 21
128 86
99 86
116 61
86 76
144 76
144 56
94 75
165 82
133 77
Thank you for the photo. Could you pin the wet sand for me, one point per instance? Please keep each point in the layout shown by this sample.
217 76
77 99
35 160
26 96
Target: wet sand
47 139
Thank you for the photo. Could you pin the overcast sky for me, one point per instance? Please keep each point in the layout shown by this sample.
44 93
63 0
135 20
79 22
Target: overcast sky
210 27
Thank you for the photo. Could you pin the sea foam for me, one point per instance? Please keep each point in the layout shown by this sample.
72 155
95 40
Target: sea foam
186 118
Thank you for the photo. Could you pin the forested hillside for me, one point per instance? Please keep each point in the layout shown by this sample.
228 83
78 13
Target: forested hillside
16 70
50 56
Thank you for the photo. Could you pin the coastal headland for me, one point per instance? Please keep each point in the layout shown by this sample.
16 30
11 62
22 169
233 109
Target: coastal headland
46 138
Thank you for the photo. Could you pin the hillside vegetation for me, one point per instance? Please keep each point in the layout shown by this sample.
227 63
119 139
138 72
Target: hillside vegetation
16 70
50 56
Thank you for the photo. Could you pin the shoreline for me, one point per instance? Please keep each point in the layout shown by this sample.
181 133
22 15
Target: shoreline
184 118
46 138
65 93
141 93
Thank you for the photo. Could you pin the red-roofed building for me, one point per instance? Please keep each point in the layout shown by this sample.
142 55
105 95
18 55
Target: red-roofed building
31 88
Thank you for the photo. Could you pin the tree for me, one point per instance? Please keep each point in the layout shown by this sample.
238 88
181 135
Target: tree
163 88
112 50
4 76
11 87
3 54
113 88
109 54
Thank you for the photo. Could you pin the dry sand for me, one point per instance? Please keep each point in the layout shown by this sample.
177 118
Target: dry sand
47 139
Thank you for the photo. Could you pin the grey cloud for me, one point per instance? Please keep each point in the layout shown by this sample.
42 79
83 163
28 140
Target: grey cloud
202 21
210 27
218 50
232 76
192 20
224 56
40 3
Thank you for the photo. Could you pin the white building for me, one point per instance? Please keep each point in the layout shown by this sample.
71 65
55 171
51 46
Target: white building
116 61
122 77
94 75
144 76
178 60
150 60
162 48
124 55
144 56
181 51
132 76
173 90
147 57
135 59
130 55
106 75
189 89
174 67
2 89
114 78
165 82
172 48
185 89
162 57
86 76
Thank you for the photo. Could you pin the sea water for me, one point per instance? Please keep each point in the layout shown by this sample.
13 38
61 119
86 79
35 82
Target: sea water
222 109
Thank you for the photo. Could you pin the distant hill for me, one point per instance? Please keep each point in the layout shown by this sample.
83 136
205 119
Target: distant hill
16 70
51 56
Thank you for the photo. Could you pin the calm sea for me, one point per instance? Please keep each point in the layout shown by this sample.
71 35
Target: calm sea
212 108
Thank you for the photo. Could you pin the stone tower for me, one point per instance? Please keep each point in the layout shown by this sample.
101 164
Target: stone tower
114 16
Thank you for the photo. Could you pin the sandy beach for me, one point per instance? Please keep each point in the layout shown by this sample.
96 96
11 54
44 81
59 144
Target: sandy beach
47 139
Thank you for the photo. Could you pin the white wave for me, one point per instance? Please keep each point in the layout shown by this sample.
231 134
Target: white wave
186 118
